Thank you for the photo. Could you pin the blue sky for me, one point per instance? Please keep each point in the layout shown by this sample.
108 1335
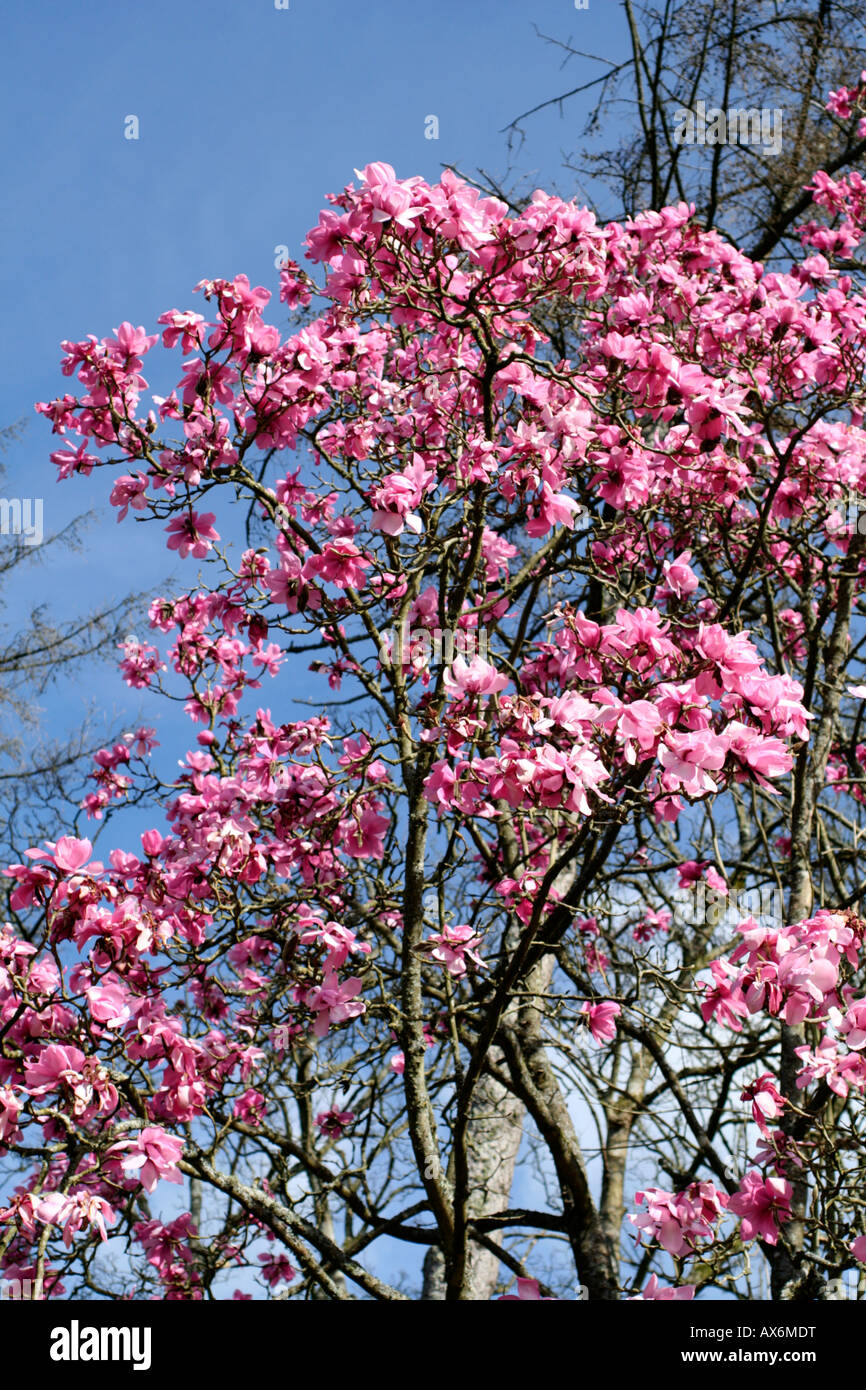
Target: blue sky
248 115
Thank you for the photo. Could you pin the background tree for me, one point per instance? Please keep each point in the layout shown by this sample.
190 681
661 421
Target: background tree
41 776
767 54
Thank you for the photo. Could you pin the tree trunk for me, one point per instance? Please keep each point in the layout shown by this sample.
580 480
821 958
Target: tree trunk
495 1131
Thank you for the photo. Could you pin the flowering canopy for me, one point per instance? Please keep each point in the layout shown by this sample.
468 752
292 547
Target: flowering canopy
279 998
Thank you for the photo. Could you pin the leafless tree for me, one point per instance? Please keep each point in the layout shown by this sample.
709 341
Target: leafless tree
41 770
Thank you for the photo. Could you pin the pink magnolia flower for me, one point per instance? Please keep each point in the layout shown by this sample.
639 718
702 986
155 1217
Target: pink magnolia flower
71 854
527 1291
554 509
451 946
340 563
777 1149
677 1220
679 577
764 756
692 871
153 1155
127 492
763 1204
10 1109
130 341
640 721
53 1066
289 587
110 1002
858 1249
652 921
715 881
364 837
71 461
142 741
663 1293
840 103
841 1070
602 1019
394 498
82 1079
689 758
475 677
72 1210
185 325
140 664
192 533
333 1122
851 1025
334 1002
768 1103
807 979
250 1107
276 1270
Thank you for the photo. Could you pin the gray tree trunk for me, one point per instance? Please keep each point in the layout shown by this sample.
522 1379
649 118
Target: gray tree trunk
495 1132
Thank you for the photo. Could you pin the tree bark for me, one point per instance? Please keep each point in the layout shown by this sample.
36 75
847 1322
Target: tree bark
495 1132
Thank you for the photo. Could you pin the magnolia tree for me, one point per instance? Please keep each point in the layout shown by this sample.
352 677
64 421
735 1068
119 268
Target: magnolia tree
535 953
